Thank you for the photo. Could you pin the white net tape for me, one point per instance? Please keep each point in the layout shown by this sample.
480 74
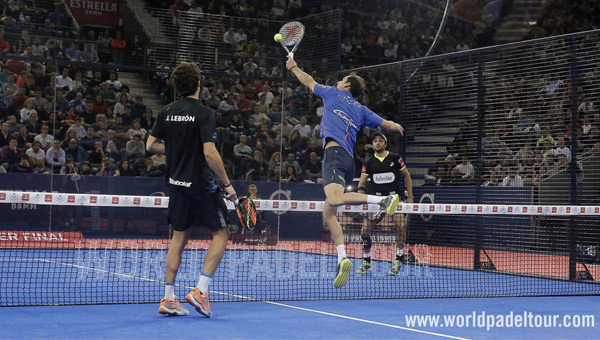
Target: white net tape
50 198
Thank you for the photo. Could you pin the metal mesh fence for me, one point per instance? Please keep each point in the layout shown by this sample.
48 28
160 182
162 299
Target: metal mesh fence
515 123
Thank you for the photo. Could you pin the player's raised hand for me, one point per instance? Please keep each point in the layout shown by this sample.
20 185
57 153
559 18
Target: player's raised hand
290 62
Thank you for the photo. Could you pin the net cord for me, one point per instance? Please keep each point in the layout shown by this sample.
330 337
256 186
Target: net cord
66 199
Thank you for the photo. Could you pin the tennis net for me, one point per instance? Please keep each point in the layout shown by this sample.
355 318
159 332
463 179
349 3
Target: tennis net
114 247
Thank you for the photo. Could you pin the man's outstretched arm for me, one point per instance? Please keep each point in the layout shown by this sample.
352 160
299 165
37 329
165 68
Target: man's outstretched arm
391 126
302 76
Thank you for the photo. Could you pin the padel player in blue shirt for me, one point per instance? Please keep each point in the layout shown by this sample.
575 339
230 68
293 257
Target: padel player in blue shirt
343 117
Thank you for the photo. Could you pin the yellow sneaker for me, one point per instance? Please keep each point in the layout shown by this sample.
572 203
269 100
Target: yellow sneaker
343 269
390 203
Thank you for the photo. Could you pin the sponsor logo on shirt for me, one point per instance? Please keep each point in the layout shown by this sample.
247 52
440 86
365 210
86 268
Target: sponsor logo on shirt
345 118
180 183
384 178
186 118
349 100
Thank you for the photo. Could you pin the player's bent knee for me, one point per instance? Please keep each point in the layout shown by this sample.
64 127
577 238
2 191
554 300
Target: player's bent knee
334 201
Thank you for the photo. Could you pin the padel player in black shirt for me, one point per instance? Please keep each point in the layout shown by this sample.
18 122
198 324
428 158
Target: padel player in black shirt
384 170
188 131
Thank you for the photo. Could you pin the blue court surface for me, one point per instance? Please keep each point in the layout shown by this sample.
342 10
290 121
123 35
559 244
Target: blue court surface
325 319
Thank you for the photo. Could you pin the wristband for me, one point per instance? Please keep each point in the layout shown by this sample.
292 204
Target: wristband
362 188
291 68
228 185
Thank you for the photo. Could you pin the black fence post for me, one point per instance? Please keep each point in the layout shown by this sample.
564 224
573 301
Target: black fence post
477 246
573 166
401 112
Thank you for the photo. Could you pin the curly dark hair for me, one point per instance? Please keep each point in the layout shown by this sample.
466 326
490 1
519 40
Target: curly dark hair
357 84
185 77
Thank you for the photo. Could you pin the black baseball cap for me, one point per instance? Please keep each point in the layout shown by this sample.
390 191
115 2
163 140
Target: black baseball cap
382 136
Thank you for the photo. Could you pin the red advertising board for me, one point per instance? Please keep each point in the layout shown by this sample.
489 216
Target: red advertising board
39 239
96 12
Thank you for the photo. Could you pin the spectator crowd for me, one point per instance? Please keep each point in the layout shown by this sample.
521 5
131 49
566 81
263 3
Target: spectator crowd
79 118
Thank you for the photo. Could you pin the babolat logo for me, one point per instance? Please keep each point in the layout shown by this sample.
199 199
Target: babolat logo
180 183
174 118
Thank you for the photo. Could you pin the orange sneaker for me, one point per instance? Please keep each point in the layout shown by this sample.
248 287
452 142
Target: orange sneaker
172 308
200 302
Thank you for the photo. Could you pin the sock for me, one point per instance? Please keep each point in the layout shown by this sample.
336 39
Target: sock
170 291
204 282
399 253
341 250
367 242
373 199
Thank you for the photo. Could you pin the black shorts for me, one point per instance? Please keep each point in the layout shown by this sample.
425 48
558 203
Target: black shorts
187 209
338 166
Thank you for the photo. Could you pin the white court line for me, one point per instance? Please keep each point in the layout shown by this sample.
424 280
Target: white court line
363 320
268 302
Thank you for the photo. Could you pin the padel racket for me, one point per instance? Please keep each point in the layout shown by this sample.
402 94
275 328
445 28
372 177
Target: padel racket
291 36
246 212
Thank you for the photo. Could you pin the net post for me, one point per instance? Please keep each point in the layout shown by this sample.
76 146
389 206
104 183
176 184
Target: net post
574 72
479 161
401 103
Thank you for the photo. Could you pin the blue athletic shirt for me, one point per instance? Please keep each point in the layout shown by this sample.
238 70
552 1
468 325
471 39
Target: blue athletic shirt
343 117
